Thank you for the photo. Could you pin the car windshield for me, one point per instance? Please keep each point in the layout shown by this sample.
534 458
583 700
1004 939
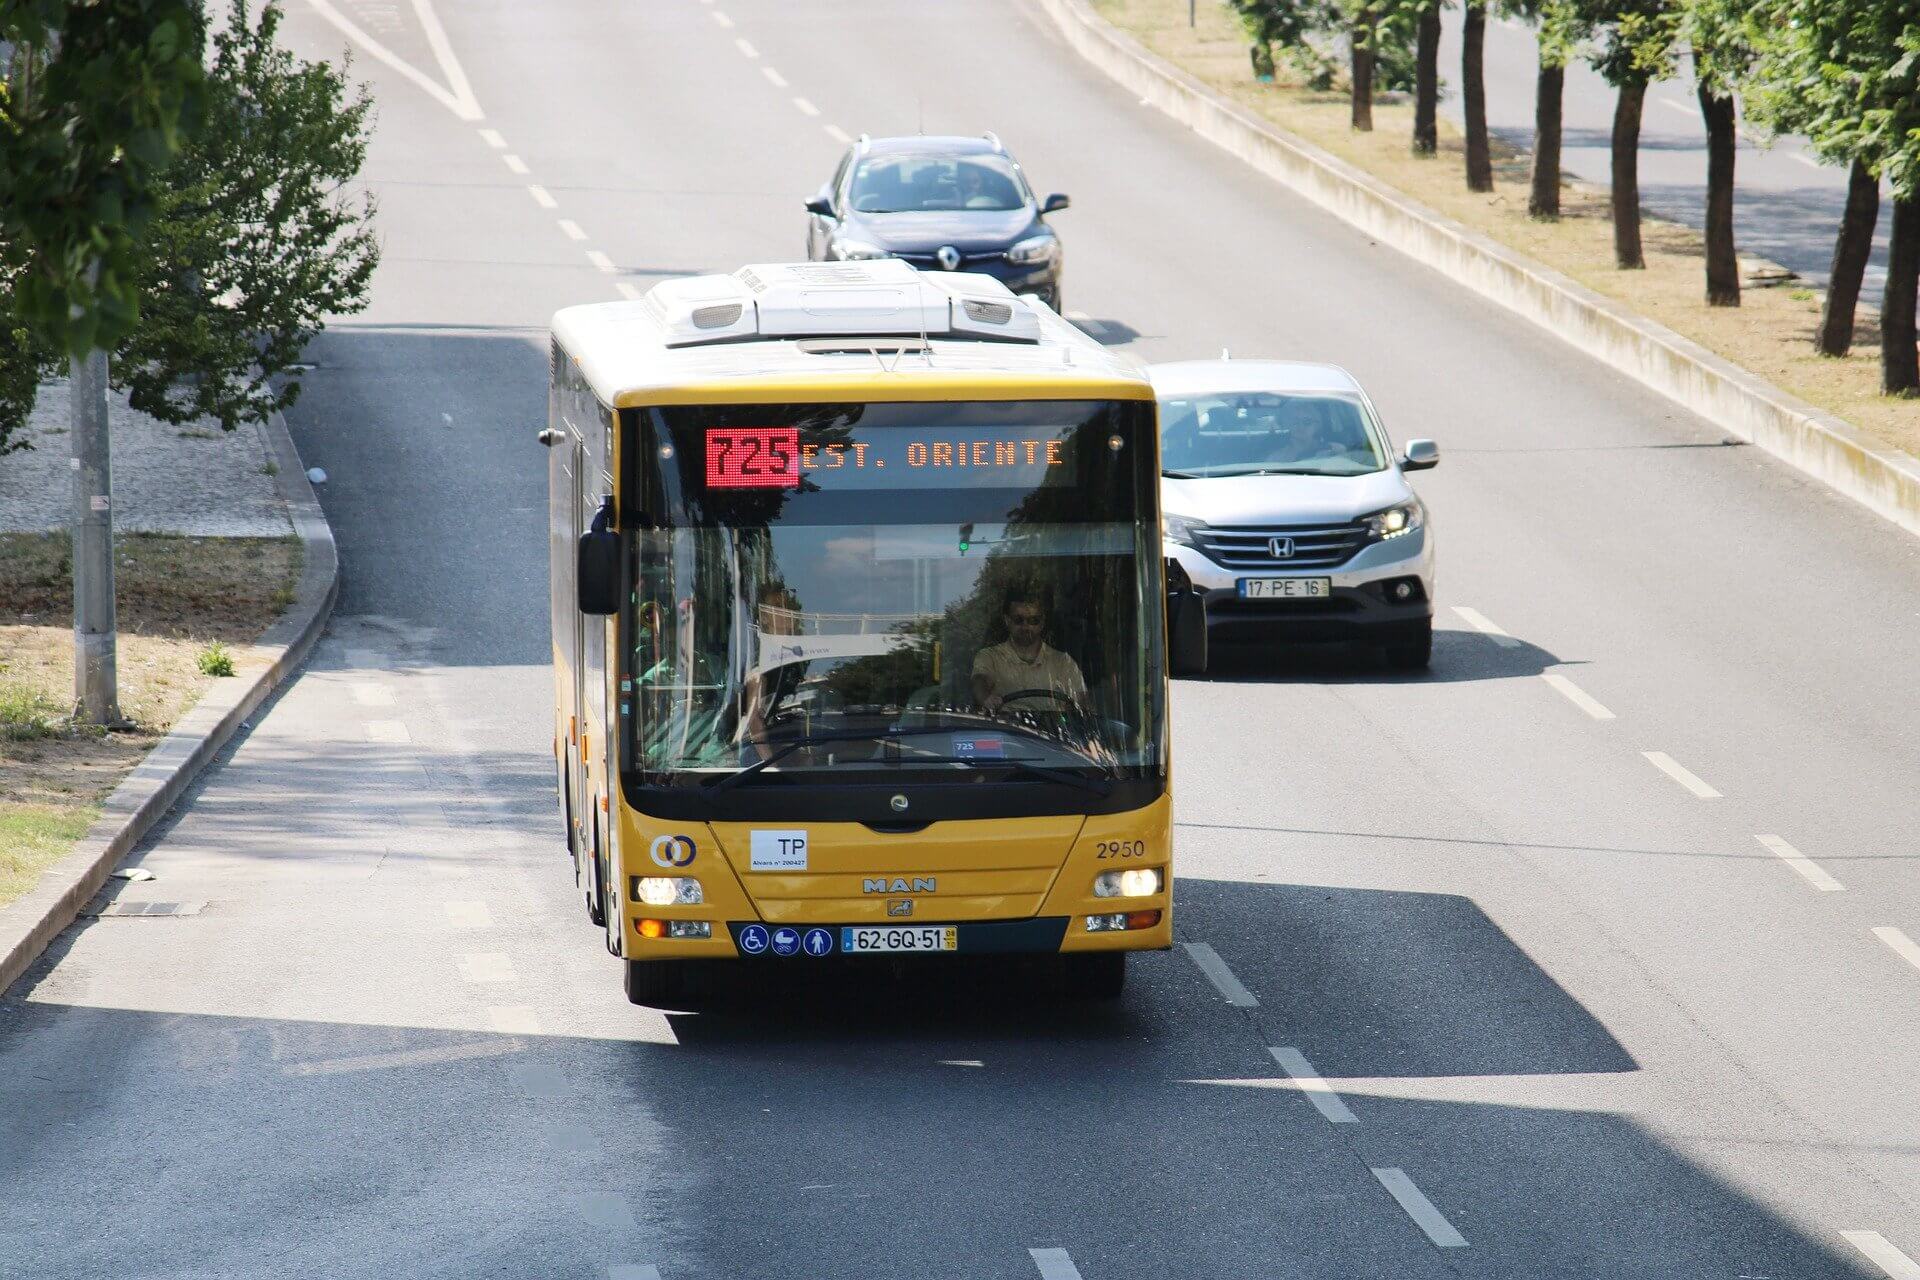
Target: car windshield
923 593
1263 433
916 183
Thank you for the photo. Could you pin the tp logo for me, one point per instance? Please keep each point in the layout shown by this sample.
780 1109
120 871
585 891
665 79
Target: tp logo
672 851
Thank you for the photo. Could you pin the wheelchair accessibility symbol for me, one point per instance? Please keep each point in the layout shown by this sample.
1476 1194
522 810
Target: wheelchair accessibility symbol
672 851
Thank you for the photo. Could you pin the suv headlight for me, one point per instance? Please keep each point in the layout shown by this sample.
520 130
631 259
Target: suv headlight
1396 520
1033 249
858 250
1183 529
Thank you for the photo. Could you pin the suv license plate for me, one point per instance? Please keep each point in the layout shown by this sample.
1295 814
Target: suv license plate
1285 588
925 937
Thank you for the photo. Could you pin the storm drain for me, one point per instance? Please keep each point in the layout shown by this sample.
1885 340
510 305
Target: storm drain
145 909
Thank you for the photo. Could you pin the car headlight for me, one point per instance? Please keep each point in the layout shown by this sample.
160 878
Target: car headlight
1396 520
858 250
1039 248
1183 529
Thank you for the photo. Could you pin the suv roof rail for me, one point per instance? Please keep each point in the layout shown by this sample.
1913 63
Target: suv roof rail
860 143
994 138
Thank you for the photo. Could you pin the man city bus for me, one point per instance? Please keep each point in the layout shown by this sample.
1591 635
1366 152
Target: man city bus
858 627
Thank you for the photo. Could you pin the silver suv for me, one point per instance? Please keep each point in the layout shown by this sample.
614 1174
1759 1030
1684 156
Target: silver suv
1287 511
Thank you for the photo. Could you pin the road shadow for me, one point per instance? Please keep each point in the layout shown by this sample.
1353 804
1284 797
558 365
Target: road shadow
1108 332
1458 657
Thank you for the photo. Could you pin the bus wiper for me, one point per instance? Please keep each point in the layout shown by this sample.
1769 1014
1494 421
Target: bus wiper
1182 475
792 745
1027 766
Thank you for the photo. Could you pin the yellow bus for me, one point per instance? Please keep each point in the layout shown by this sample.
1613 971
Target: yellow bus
859 622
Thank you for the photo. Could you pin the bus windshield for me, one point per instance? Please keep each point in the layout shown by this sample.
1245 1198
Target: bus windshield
927 593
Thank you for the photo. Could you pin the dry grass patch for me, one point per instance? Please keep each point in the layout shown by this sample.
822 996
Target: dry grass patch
1771 333
176 597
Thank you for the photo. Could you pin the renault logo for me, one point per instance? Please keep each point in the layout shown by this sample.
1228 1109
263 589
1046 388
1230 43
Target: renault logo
948 257
1280 548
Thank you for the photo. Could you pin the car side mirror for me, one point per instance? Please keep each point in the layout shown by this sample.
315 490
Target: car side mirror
1055 203
597 565
820 207
1421 455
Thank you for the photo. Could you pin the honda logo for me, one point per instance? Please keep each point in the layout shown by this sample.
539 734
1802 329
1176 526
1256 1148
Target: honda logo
1280 548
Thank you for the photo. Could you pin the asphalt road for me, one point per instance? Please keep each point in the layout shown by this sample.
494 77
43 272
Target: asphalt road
1576 1018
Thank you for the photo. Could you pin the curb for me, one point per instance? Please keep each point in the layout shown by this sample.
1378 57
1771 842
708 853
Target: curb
1881 478
31 923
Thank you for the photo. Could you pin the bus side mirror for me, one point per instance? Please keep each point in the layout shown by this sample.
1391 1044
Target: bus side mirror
597 568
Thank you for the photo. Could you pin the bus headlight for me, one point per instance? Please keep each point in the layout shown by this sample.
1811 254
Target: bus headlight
1140 882
668 891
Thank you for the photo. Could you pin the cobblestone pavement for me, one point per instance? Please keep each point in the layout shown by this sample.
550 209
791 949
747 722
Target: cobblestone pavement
193 479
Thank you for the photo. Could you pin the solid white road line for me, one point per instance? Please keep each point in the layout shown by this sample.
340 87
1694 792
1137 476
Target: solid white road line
1883 1254
459 100
1481 623
629 1271
493 139
515 1019
1319 1093
1811 163
1419 1208
774 77
628 291
1576 695
1902 945
1680 774
1054 1264
572 230
469 915
1220 976
404 1058
487 966
723 19
838 134
515 164
806 108
541 198
1800 862
391 732
746 50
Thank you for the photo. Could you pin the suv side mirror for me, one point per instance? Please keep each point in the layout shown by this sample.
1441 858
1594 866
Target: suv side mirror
1421 455
1055 202
820 207
597 566
1186 624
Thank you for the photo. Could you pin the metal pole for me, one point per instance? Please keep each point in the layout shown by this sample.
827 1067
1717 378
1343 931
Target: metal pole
95 677
1190 4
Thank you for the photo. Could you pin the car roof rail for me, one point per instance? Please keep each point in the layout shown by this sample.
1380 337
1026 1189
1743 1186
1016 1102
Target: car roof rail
862 142
994 138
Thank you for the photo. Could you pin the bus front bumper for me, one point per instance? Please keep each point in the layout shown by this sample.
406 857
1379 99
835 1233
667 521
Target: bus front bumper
1133 926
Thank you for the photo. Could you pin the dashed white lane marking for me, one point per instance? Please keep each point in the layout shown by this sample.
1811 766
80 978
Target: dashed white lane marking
1220 976
605 1209
631 1271
392 732
1680 774
838 134
746 50
493 139
1800 862
1883 1254
628 291
572 230
1054 1264
1902 945
601 261
404 1058
1484 625
487 966
469 915
1576 695
774 78
1419 1208
515 164
1087 322
369 694
1318 1091
514 1019
541 198
1811 163
806 108
723 19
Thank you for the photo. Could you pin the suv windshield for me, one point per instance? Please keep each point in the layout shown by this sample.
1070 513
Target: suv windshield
892 593
919 183
1239 433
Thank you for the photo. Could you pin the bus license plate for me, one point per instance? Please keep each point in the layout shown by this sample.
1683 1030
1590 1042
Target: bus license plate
1285 588
925 937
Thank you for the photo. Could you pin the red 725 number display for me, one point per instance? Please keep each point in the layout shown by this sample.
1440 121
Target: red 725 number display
753 458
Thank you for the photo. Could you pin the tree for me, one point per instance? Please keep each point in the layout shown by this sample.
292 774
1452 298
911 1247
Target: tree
1378 38
26 359
1716 32
1426 80
1558 32
1290 24
1636 51
1473 93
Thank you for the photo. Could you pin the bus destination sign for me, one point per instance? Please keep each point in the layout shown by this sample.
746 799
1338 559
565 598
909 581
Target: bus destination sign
753 458
954 457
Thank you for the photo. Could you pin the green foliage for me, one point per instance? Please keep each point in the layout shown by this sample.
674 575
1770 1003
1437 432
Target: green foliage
1391 29
1292 24
215 660
1560 26
255 242
101 94
26 359
1637 38
26 714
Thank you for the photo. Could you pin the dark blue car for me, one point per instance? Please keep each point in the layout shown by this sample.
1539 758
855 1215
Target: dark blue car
941 204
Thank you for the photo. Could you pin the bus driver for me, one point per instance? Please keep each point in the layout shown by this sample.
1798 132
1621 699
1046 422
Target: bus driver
1025 662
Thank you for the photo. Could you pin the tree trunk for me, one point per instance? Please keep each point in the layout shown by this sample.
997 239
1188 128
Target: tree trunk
1723 266
1426 82
1549 87
1360 40
1851 249
1473 92
1899 361
1627 254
